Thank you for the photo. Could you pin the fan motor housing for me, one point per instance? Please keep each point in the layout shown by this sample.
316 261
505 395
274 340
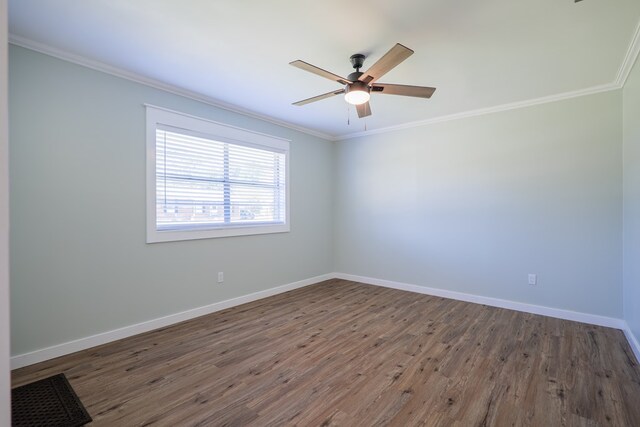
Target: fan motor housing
354 76
358 86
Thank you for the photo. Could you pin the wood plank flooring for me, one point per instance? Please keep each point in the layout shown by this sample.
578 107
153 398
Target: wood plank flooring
344 353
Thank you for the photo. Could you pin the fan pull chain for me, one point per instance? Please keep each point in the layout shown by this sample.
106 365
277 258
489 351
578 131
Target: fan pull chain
348 116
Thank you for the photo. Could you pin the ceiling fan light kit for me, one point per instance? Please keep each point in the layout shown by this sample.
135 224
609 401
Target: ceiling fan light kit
358 86
357 93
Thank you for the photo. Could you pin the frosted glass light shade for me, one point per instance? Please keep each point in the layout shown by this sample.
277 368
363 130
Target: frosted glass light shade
357 97
357 93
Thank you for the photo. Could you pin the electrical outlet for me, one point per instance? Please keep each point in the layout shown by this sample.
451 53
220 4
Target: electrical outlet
533 279
220 276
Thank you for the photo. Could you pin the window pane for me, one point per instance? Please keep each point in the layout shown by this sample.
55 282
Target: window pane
204 183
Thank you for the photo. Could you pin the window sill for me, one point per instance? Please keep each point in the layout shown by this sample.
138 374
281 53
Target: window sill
154 236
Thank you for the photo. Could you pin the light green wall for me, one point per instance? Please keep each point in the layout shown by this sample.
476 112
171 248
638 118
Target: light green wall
79 262
632 201
474 205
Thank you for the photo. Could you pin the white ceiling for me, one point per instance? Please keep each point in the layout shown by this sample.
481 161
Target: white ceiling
478 54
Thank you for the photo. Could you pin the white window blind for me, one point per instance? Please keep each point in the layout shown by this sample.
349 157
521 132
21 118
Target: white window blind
201 182
211 185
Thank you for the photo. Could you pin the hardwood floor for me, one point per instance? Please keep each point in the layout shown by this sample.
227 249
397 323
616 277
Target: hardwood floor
344 353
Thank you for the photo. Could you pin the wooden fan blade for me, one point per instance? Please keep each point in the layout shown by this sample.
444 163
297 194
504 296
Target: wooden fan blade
319 71
395 56
364 110
404 90
319 97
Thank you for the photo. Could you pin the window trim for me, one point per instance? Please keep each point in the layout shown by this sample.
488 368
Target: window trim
162 116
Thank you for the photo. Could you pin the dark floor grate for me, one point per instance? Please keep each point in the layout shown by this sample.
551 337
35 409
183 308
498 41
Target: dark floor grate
50 402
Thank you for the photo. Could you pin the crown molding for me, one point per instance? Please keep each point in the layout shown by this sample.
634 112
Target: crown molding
157 84
621 77
629 59
483 111
628 62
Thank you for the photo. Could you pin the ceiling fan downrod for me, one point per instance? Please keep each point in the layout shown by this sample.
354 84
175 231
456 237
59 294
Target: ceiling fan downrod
357 61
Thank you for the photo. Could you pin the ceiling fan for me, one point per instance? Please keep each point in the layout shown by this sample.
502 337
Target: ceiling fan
358 86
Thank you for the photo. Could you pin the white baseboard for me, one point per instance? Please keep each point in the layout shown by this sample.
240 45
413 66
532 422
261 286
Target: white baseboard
593 319
58 350
41 355
633 341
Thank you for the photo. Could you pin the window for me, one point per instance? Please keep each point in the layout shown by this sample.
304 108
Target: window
206 179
